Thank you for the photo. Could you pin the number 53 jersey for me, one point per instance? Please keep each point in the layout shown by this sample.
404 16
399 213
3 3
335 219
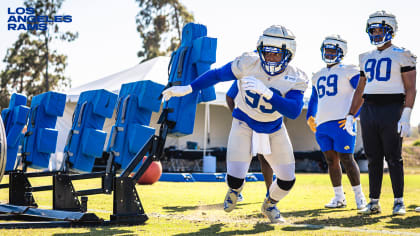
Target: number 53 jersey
253 108
335 91
383 69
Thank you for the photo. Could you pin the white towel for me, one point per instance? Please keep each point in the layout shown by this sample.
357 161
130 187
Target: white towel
260 143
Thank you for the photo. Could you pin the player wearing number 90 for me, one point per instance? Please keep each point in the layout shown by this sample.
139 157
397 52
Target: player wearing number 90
387 89
333 88
268 89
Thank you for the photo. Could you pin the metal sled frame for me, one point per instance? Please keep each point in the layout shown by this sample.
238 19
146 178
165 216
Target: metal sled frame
70 211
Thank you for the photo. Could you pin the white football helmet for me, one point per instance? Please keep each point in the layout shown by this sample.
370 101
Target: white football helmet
276 39
385 21
338 44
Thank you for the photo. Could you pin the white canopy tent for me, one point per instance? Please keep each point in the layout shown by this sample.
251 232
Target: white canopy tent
156 70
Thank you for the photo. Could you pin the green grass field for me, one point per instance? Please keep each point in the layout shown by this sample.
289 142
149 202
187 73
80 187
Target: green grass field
196 209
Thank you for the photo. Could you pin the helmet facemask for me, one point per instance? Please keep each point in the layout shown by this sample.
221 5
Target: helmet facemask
380 39
331 58
274 67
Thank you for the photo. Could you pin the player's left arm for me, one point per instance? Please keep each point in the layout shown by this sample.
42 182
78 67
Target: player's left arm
291 105
408 75
408 63
409 81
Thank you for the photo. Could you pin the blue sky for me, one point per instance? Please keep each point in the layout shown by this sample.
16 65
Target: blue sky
108 41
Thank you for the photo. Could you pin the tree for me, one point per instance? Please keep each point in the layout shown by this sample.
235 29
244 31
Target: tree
160 23
31 66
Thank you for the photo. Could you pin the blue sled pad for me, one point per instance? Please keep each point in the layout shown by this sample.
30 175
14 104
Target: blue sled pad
194 56
41 136
136 102
86 139
15 118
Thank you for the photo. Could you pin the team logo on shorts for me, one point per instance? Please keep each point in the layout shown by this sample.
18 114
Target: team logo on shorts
346 147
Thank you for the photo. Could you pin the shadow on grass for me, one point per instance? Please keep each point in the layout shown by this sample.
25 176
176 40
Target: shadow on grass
396 222
218 206
412 207
100 231
312 213
352 221
216 228
172 209
299 228
404 223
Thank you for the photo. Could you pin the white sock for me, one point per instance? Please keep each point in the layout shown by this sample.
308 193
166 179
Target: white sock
339 193
399 199
357 190
375 200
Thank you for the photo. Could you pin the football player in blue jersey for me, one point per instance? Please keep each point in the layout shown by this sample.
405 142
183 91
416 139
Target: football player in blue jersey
332 90
387 89
268 89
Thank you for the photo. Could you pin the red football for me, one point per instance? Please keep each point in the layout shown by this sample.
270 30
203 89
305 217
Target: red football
152 173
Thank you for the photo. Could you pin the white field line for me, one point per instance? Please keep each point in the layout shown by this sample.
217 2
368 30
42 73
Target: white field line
215 220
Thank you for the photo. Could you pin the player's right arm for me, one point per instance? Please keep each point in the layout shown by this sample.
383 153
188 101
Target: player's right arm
236 69
357 100
359 83
356 103
207 79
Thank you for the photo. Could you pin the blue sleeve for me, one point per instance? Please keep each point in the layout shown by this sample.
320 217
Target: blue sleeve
212 77
355 80
290 106
233 91
313 104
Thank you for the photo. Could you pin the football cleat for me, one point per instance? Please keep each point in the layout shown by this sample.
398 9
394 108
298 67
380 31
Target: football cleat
231 199
417 209
271 211
371 208
398 209
336 203
361 202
